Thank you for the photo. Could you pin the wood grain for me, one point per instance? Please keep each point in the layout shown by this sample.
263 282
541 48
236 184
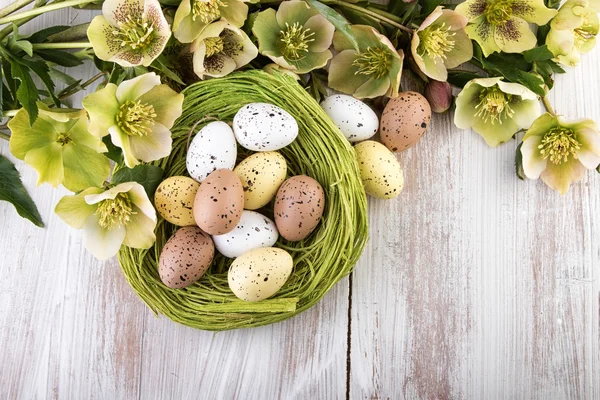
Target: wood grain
474 285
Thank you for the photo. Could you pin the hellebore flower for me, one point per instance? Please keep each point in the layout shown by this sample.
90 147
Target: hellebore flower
559 151
441 43
296 37
503 25
121 215
220 49
192 16
373 71
138 115
496 110
60 148
573 31
129 32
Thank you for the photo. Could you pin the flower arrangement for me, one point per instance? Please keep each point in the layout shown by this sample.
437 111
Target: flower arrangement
490 62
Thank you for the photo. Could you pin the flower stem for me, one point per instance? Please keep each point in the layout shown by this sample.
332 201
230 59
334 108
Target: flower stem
11 8
548 106
9 29
70 45
82 86
41 10
4 136
9 113
372 12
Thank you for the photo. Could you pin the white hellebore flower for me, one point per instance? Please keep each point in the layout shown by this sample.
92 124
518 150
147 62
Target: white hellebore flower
138 115
121 215
129 32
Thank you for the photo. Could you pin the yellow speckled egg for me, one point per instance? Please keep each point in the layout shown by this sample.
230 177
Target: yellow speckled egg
261 175
380 172
174 200
404 121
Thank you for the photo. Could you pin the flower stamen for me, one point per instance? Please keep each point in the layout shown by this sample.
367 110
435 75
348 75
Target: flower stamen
206 11
135 118
373 61
295 40
436 41
558 144
134 32
494 105
214 45
498 12
115 212
64 139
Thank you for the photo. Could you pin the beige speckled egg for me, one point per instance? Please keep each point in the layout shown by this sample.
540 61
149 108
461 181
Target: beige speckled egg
404 121
185 257
259 273
219 202
380 172
174 200
299 205
261 175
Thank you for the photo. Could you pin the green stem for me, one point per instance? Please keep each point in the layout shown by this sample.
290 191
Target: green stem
377 14
71 45
548 106
4 136
41 10
9 113
11 8
83 85
8 30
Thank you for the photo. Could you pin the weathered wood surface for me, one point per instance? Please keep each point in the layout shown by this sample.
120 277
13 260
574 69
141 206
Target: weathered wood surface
474 285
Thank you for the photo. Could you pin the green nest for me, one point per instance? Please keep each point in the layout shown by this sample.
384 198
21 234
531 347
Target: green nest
320 261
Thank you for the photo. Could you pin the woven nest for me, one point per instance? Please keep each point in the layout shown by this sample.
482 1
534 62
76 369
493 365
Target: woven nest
320 260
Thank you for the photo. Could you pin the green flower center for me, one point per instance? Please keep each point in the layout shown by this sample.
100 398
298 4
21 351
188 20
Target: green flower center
558 144
114 212
134 32
373 61
295 40
135 118
64 139
584 33
214 45
498 12
206 11
494 105
436 41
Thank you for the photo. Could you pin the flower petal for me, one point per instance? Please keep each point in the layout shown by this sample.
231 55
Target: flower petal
483 33
453 20
541 126
83 167
472 9
248 52
311 61
111 193
235 13
102 243
73 210
434 68
464 115
104 42
533 11
139 198
559 177
133 89
589 154
323 33
25 137
121 139
185 29
343 75
102 107
494 134
515 36
266 29
119 11
373 88
291 12
80 135
462 52
526 111
48 162
533 162
139 231
433 17
153 146
167 104
218 66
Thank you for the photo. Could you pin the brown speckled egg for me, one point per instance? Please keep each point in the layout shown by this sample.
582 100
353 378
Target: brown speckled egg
299 205
404 121
219 202
174 200
185 257
261 175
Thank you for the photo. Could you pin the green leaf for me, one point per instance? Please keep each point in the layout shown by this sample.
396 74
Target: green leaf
598 168
149 176
532 82
41 69
163 66
336 20
41 35
27 93
59 57
13 191
114 153
460 78
538 54
20 45
1 91
356 17
519 163
427 6
61 76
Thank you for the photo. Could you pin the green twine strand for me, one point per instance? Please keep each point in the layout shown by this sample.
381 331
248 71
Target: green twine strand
320 261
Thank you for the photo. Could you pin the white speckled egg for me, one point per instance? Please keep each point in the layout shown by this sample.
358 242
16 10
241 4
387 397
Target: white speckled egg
261 175
259 273
356 120
380 172
253 231
212 148
264 127
174 200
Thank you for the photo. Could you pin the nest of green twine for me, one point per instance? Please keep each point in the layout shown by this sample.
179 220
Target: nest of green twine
320 260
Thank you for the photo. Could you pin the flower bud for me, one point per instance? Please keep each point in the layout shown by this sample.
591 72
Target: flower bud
439 96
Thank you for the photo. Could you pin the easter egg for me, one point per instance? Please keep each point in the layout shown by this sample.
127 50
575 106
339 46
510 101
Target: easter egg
259 273
264 127
404 121
299 205
261 175
214 147
185 257
219 202
356 120
253 231
174 200
380 172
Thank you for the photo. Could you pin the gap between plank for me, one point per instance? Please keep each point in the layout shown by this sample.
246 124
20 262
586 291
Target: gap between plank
349 337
